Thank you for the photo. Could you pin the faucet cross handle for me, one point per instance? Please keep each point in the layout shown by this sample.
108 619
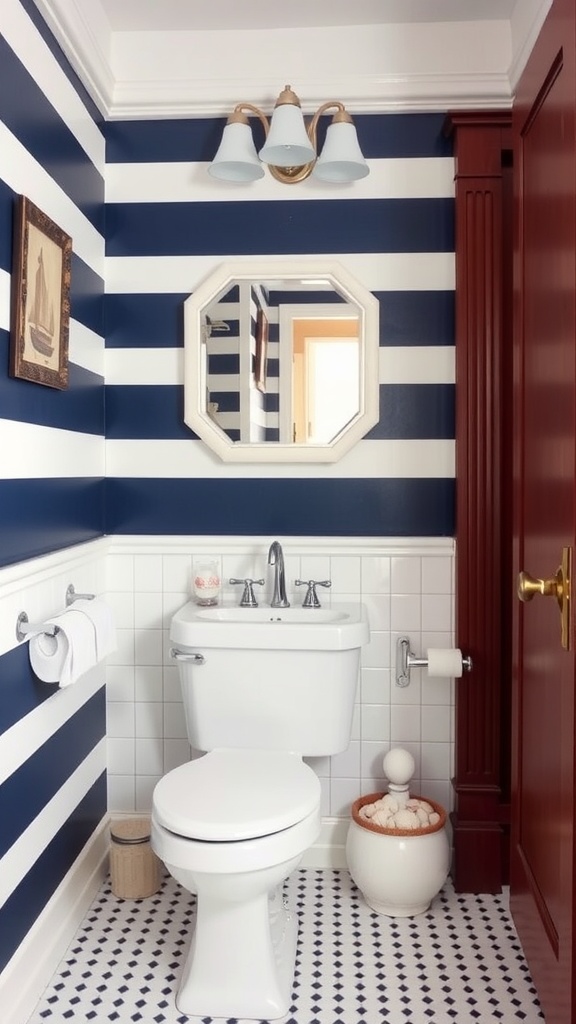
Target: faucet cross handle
248 597
311 598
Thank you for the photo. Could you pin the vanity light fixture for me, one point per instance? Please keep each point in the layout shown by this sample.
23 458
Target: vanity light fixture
290 146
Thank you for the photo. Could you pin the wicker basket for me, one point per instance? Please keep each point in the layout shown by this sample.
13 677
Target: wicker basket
134 867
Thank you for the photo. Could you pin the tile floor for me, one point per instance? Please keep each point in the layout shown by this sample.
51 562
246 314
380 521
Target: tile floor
460 962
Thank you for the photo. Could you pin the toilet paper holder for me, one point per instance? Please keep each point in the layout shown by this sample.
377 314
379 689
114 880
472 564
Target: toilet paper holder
405 660
26 629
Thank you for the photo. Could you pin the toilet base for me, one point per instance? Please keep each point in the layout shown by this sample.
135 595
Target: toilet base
243 952
253 974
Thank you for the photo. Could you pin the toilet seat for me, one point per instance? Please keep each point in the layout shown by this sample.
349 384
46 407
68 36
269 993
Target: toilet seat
230 795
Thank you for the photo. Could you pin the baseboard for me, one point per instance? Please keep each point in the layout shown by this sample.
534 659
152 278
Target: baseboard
30 969
329 850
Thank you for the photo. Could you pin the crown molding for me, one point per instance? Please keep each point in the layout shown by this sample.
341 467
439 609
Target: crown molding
86 42
526 26
372 94
82 30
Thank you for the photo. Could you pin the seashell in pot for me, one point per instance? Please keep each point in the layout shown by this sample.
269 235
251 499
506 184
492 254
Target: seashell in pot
399 870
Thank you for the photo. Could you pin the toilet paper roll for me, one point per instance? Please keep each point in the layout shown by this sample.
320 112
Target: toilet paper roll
67 655
444 662
48 656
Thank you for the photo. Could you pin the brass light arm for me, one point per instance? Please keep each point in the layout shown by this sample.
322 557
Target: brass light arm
342 115
239 117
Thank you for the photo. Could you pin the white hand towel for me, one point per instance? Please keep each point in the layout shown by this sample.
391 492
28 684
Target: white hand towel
101 617
69 654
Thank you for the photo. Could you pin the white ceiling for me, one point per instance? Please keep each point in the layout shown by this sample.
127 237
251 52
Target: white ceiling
198 58
202 15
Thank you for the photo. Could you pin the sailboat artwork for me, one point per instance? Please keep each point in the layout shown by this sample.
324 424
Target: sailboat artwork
40 306
41 318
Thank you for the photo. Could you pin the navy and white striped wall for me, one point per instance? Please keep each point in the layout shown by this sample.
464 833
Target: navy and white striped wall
52 746
168 224
52 150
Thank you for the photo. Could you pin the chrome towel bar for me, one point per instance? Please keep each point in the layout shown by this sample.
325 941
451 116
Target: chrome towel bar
26 629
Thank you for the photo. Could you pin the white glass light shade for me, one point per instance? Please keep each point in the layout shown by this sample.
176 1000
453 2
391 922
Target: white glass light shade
341 158
287 144
236 159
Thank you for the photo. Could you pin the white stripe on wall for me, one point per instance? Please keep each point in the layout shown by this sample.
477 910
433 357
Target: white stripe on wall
18 166
28 45
5 283
26 736
86 348
144 366
396 271
408 178
17 861
31 451
418 364
369 459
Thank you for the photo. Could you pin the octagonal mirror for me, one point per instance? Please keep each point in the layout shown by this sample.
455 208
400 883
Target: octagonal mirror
281 362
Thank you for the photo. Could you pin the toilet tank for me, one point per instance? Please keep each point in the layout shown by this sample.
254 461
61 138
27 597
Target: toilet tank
287 693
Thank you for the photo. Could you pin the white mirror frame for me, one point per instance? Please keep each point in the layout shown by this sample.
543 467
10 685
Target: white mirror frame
195 413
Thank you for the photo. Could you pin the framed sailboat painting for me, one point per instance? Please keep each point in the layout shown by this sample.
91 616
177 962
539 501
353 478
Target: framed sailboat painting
40 298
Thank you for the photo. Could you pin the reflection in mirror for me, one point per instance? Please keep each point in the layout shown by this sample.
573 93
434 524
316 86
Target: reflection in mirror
281 362
322 395
299 380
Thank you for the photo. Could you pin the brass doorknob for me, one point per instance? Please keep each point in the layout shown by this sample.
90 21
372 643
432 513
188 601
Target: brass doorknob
557 586
528 586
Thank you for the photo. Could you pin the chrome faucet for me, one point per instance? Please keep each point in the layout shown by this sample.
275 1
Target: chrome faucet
276 558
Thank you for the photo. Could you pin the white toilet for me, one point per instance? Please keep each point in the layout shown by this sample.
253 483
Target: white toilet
231 825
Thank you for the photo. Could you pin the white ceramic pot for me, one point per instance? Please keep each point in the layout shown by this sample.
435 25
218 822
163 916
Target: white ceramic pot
398 873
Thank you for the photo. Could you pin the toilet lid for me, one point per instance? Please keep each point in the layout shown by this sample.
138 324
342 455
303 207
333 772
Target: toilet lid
228 795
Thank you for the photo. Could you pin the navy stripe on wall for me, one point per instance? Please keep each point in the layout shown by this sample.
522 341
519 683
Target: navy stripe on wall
27 901
396 135
146 411
294 507
33 785
416 318
42 515
80 407
145 321
157 320
21 690
33 120
7 210
86 296
415 412
407 411
359 225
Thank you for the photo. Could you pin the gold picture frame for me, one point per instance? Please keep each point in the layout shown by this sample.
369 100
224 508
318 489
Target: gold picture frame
41 270
261 353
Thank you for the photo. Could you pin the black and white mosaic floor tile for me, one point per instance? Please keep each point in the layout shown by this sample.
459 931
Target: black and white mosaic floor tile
460 963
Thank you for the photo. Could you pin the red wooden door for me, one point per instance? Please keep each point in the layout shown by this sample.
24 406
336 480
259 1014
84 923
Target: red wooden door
543 794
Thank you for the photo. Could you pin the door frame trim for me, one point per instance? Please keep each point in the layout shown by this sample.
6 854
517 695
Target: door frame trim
483 202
